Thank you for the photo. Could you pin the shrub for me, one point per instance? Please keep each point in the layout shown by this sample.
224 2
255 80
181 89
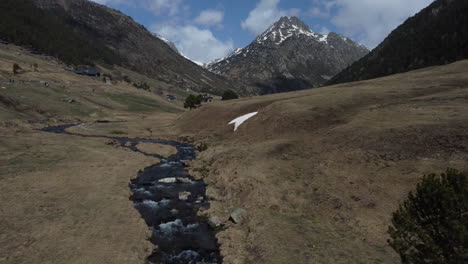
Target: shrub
193 101
431 226
16 68
229 95
142 85
202 147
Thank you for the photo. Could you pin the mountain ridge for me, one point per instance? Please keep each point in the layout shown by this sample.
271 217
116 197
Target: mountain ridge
287 56
436 35
139 49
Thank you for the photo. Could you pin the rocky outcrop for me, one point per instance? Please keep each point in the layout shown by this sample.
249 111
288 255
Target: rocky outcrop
238 215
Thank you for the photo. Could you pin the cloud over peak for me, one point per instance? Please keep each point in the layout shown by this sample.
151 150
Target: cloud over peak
210 17
368 21
265 13
198 44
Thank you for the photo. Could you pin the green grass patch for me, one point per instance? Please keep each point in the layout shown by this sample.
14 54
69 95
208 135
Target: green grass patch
136 103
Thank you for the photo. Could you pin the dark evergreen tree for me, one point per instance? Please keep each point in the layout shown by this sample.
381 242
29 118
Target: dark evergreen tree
431 226
193 101
229 95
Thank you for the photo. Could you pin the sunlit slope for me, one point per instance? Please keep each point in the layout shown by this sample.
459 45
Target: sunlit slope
321 171
49 91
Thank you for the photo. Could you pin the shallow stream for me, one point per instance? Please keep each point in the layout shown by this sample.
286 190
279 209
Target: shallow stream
168 199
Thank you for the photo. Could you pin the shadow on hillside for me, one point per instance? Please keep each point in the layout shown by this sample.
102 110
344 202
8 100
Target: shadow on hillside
281 84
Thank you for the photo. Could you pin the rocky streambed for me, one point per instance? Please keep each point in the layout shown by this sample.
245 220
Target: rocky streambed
168 199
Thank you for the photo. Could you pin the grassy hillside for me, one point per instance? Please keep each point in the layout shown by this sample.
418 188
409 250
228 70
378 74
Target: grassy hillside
437 35
65 199
51 31
321 171
85 32
67 95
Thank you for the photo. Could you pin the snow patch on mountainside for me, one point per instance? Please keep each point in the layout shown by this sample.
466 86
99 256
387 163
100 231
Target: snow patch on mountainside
173 47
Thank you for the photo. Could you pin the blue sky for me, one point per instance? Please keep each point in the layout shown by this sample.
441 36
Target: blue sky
204 30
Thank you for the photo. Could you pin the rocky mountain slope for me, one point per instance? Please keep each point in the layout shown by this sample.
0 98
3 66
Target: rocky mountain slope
138 48
288 56
168 42
436 35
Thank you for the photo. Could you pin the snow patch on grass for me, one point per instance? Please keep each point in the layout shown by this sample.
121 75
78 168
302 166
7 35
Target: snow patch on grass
238 121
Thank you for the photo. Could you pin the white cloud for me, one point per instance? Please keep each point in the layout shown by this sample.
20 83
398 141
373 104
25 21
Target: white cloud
324 30
198 44
210 17
317 12
265 13
368 21
160 6
103 2
169 7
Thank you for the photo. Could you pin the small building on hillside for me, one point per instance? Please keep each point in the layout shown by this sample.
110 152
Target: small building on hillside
171 97
207 98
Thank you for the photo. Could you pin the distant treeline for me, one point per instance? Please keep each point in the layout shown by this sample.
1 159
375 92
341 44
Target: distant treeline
49 31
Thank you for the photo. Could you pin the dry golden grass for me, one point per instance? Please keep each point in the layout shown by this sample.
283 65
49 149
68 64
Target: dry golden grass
320 171
65 199
162 150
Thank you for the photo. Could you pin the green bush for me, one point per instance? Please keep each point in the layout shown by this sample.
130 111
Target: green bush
431 226
193 101
229 95
202 147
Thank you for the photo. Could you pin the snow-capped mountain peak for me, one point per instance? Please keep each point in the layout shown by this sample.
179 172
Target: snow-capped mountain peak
285 28
288 56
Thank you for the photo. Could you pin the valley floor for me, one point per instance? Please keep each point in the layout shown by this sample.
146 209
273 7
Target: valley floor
65 199
318 172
